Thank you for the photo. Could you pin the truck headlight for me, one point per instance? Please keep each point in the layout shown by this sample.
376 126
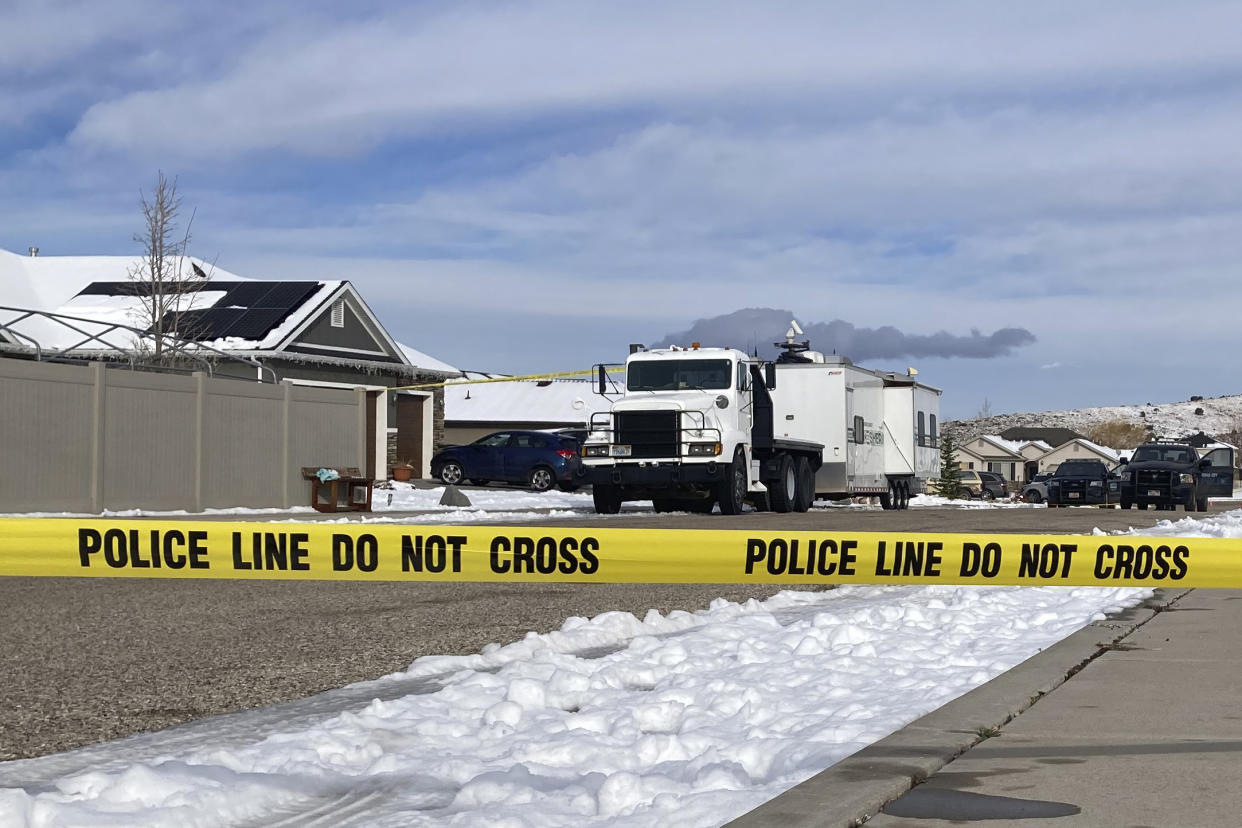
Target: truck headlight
704 449
1095 484
1054 484
595 451
1187 478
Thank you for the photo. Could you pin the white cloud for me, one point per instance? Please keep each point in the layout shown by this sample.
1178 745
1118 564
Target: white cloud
326 87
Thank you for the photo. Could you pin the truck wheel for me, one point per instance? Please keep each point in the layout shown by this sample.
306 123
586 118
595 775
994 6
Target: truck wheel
783 491
1125 504
1191 504
731 492
607 499
1201 504
806 484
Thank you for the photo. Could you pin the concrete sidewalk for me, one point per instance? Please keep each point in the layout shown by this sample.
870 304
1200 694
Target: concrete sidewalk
1134 721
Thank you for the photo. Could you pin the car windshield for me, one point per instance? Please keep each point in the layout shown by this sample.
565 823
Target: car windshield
1168 454
679 374
1080 469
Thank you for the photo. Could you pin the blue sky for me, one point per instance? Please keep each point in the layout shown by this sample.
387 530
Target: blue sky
530 186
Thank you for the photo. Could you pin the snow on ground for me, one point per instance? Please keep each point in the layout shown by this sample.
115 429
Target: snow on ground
687 719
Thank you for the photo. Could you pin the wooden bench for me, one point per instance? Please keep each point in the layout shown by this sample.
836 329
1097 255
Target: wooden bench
349 492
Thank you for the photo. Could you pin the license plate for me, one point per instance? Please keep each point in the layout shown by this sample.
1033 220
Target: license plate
1074 495
621 451
1153 493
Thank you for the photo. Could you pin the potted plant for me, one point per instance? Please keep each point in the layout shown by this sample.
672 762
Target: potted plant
403 470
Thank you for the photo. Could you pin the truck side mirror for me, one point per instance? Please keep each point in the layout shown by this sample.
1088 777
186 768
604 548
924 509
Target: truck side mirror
769 375
1204 463
602 386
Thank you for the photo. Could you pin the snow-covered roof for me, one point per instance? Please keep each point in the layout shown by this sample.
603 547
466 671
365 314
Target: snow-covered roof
420 360
1007 446
250 317
550 401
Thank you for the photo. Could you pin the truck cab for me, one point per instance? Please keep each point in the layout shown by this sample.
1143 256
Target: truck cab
683 433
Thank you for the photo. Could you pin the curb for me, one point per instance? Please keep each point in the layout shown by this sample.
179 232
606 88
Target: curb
856 788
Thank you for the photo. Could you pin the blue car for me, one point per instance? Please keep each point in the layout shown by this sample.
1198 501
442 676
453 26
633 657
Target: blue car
537 459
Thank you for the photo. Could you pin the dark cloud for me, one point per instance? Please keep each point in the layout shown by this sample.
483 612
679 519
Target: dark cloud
753 328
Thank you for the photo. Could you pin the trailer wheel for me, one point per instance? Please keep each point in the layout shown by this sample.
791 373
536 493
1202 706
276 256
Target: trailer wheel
607 499
731 492
783 491
806 484
903 494
886 498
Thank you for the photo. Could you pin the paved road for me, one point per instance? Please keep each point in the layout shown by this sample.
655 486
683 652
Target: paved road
86 660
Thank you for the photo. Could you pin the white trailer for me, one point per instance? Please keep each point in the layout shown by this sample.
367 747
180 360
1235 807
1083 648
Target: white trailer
699 426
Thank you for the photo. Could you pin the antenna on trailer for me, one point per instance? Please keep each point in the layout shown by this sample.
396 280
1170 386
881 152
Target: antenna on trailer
792 350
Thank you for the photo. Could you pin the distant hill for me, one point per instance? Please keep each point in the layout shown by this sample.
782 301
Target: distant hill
1217 417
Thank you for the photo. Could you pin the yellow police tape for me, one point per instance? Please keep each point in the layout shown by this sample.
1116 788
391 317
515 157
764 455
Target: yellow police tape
402 552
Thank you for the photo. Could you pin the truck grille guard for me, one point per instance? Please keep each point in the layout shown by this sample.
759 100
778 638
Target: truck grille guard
654 434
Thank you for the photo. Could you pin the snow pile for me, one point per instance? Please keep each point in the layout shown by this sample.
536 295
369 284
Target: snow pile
685 718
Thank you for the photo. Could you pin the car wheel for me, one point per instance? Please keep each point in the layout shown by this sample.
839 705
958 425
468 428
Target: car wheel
731 492
451 473
541 479
607 499
1033 497
987 495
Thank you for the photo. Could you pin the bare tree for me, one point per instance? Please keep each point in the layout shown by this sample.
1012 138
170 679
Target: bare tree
985 410
167 279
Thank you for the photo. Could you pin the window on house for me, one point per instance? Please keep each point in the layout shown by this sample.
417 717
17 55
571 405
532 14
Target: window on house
338 314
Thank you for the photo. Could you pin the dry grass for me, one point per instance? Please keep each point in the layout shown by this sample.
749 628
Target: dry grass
1119 434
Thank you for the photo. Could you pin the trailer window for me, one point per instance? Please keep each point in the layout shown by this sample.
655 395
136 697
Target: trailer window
922 430
679 374
859 429
935 438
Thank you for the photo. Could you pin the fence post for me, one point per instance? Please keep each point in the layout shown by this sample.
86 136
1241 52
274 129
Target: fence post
360 394
200 406
99 401
286 449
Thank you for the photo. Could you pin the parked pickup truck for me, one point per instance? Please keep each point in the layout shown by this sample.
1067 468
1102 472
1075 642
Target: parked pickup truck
1081 483
1168 473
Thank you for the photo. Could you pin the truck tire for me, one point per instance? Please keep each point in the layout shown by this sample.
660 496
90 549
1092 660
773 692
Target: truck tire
806 484
1191 504
886 499
783 491
1126 504
607 499
1201 504
731 491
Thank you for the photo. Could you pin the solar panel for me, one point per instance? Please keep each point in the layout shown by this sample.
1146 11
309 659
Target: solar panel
245 294
257 322
288 295
204 324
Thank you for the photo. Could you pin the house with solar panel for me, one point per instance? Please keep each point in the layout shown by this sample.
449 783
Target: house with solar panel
317 333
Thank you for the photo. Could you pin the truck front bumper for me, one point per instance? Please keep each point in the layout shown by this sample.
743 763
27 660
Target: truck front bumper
656 475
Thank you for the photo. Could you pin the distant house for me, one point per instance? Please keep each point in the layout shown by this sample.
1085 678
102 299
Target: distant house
482 403
319 333
1079 449
995 455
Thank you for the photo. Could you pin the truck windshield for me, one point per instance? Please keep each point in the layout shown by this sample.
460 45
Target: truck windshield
679 374
1167 454
1080 469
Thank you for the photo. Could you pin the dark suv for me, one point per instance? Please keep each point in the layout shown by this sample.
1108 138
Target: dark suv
1165 474
1080 482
